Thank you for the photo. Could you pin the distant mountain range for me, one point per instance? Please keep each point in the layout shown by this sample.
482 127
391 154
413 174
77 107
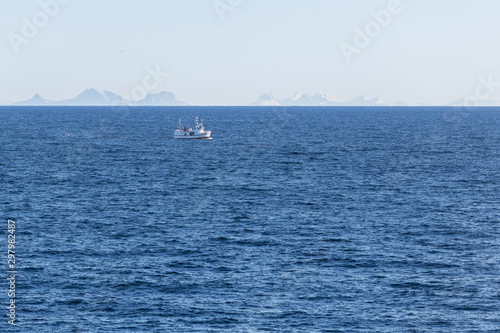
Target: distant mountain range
475 102
301 99
96 97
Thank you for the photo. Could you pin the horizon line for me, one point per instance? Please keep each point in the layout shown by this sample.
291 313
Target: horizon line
254 106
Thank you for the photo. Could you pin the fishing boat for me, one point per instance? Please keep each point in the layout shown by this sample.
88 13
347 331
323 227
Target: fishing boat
198 132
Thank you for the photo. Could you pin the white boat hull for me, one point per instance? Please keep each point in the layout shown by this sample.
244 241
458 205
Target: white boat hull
188 135
198 132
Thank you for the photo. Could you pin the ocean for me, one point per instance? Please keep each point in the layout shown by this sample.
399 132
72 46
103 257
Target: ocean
291 219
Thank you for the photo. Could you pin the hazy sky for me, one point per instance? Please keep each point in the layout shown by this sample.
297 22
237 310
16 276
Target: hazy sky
229 52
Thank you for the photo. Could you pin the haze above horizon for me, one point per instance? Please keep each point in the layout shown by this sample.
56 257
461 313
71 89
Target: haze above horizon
230 52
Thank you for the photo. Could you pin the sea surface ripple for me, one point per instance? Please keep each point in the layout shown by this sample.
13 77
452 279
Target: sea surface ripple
291 219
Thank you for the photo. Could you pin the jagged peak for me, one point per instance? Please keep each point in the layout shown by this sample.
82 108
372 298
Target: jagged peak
266 97
298 96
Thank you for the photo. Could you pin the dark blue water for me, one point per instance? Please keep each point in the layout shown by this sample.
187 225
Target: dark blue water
289 220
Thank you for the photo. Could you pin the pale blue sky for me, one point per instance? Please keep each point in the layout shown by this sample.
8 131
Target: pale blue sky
432 51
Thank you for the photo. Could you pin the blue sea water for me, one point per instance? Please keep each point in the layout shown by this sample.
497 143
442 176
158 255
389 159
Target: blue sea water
291 219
